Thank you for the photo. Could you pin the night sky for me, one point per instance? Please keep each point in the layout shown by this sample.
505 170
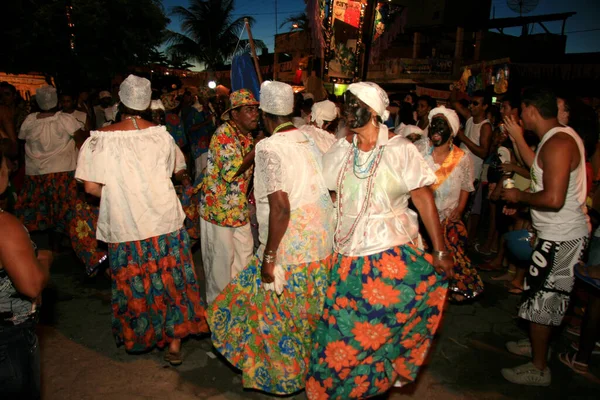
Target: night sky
583 29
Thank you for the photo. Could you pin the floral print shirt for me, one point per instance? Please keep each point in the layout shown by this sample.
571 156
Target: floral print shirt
223 199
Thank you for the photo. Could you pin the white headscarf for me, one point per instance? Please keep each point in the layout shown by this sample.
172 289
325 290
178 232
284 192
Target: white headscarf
46 97
135 93
450 116
407 130
372 95
276 98
323 111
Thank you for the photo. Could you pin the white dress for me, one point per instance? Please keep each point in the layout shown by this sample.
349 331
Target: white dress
387 220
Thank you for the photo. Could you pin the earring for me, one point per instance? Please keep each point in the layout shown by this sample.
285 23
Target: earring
374 123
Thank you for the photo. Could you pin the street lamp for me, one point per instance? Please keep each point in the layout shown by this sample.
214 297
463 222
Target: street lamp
212 84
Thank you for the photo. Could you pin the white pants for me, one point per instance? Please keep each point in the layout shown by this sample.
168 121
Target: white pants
225 252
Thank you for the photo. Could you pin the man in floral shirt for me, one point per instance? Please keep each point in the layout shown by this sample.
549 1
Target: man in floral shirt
225 234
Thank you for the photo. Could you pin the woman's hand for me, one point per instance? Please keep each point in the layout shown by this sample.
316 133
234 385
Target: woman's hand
513 127
455 215
267 271
444 267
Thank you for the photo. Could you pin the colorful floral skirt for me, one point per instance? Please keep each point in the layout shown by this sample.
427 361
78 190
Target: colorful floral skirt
47 201
466 281
266 336
155 294
381 314
82 232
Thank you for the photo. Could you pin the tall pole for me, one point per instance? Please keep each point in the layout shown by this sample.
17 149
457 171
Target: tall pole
253 50
276 26
368 23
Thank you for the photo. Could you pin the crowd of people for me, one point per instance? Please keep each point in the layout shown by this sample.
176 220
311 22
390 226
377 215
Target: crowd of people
333 231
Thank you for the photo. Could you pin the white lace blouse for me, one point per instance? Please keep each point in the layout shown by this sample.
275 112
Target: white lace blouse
290 162
447 195
138 198
49 144
387 221
323 139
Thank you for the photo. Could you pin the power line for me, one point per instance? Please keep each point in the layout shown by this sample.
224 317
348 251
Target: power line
270 13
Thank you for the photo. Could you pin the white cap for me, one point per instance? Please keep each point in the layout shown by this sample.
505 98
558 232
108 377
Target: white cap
135 93
323 111
46 97
372 95
276 98
157 105
450 115
104 95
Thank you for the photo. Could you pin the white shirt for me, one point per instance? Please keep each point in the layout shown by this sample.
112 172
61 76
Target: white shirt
570 222
138 198
290 162
49 144
473 132
388 221
447 194
323 139
81 117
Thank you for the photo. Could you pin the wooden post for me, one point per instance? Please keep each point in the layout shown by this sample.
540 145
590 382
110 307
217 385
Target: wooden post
253 51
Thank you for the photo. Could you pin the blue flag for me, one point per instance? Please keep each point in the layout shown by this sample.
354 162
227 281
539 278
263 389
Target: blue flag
243 75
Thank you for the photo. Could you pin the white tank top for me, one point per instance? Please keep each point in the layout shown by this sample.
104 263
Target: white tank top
570 222
473 132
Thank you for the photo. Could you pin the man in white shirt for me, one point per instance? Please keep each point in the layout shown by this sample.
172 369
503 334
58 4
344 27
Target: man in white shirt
99 110
67 105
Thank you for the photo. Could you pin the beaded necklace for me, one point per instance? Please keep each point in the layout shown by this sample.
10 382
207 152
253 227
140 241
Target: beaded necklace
281 126
340 188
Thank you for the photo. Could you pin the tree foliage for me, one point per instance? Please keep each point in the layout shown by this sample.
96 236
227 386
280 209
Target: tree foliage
109 36
297 22
209 33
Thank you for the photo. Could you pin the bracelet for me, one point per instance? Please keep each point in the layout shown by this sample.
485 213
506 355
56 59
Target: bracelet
268 258
185 175
442 255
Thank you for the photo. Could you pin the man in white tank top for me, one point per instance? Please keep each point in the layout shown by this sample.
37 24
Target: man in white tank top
557 201
477 136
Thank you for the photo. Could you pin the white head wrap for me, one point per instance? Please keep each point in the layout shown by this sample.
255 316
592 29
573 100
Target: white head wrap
307 96
46 97
157 105
407 130
135 93
323 111
276 98
450 116
372 95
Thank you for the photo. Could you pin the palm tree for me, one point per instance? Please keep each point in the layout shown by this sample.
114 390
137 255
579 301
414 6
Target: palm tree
210 34
298 22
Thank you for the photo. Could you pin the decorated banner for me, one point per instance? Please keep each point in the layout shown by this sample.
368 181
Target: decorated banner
344 35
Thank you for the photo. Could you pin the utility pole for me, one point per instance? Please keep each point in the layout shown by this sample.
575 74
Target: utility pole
276 26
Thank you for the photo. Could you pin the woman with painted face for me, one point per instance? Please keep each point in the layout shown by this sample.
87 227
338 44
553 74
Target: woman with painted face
386 295
454 172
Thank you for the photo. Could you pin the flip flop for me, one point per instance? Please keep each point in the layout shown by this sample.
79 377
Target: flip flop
477 249
582 271
569 360
488 267
174 359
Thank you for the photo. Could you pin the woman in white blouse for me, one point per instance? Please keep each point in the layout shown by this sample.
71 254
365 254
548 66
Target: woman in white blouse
49 191
263 320
155 295
386 294
454 172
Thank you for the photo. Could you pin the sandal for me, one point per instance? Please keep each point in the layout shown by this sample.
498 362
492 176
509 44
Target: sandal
488 267
569 360
512 289
174 359
478 248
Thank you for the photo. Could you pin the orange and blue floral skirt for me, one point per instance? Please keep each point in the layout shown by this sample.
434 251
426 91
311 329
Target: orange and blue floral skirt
82 232
265 335
190 202
155 293
47 201
381 314
465 282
